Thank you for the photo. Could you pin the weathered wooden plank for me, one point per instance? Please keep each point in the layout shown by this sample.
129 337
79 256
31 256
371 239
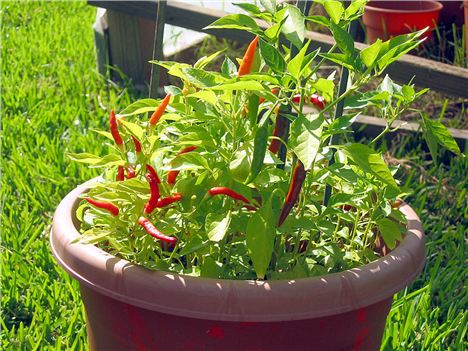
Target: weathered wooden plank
371 126
124 45
437 76
101 45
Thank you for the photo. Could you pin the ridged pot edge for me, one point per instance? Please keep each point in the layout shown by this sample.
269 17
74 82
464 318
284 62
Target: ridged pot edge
235 300
433 6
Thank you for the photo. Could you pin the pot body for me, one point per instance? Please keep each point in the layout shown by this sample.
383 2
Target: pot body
386 19
115 325
132 308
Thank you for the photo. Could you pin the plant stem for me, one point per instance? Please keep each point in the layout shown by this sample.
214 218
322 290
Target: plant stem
339 110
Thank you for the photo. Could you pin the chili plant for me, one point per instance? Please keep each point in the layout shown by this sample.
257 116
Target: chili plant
202 187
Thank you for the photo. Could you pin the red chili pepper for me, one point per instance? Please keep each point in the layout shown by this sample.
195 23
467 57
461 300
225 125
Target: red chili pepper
137 144
120 174
279 131
315 99
154 197
154 232
187 149
298 177
273 91
114 129
172 175
221 190
159 110
248 59
108 206
250 207
153 173
169 200
130 172
296 99
318 101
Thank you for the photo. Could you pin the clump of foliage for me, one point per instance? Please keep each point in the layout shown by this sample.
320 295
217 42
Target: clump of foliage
249 172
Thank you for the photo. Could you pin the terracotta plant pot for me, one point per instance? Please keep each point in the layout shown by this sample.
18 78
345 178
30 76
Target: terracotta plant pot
386 19
133 308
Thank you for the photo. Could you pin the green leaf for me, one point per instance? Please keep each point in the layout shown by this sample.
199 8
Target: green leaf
228 67
272 57
240 85
369 54
250 8
133 128
274 31
322 20
436 131
140 106
341 59
108 161
260 77
103 133
326 87
84 157
205 95
240 166
355 7
390 231
269 5
343 39
210 268
94 235
295 65
306 133
216 225
388 86
370 162
189 161
394 48
260 239
334 9
200 77
195 243
236 21
260 146
252 105
205 60
294 26
173 90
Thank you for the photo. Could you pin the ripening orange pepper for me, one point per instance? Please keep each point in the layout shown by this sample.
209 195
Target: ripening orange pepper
248 59
159 110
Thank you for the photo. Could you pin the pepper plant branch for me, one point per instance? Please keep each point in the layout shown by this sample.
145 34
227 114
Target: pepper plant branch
339 110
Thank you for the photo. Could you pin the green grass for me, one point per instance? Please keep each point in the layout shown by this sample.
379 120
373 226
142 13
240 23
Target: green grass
52 97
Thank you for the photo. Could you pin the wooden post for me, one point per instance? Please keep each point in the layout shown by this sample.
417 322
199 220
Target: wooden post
124 44
101 42
157 48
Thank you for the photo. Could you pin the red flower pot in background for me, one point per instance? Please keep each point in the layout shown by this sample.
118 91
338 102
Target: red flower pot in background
133 308
385 19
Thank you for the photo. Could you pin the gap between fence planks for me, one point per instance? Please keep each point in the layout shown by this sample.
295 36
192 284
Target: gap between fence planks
437 76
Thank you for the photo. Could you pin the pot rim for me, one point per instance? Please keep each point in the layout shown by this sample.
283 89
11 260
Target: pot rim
234 300
437 7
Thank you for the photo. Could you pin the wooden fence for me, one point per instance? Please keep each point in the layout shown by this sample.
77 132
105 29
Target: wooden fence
129 16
